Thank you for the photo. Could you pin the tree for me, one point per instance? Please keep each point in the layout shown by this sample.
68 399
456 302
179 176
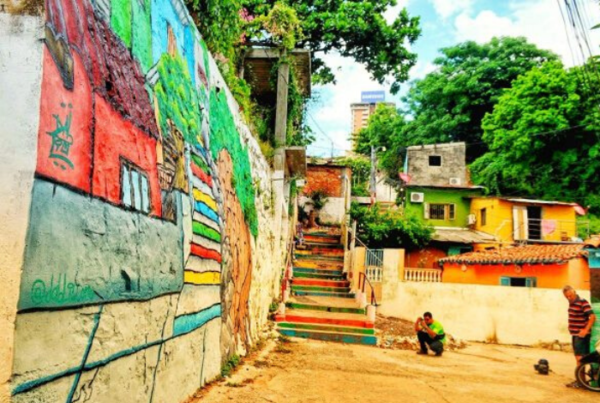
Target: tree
389 229
544 137
385 128
356 29
450 103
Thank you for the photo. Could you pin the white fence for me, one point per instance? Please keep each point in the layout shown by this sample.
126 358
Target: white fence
423 275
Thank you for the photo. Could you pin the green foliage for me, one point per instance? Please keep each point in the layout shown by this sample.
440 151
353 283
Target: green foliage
356 29
389 229
224 135
219 23
230 365
361 169
450 103
177 98
544 138
318 199
384 129
282 25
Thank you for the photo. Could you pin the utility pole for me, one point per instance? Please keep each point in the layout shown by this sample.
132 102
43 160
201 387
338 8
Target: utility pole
373 179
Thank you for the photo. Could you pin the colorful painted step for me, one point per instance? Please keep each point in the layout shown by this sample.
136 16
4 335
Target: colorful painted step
320 283
321 265
368 340
325 308
318 258
325 328
310 288
324 276
326 318
323 239
323 294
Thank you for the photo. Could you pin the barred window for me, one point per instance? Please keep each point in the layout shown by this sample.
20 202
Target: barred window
442 211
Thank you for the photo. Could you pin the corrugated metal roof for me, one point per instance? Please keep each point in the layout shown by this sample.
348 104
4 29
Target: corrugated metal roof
461 235
532 201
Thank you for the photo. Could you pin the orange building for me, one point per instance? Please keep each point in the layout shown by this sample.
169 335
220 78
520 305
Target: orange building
543 266
511 219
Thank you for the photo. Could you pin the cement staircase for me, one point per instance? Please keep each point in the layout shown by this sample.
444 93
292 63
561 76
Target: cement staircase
321 306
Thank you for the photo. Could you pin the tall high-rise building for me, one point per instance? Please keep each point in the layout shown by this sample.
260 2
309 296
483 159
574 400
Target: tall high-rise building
361 111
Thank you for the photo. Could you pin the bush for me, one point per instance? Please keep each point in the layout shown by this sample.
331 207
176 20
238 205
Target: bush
389 229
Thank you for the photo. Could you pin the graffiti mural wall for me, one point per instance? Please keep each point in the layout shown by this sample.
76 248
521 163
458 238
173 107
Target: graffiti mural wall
140 258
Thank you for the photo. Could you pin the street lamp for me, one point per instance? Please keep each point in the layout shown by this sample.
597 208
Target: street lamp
373 181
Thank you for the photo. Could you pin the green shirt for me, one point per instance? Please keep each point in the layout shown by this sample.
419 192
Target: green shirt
438 329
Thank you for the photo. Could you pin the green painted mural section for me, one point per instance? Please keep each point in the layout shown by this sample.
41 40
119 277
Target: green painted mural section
224 135
205 231
120 20
458 197
177 99
142 34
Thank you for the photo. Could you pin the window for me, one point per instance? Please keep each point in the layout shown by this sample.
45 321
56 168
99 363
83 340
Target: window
441 211
135 189
435 160
483 217
529 282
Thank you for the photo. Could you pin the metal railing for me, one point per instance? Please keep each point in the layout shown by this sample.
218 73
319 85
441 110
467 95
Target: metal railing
423 275
362 281
550 230
373 264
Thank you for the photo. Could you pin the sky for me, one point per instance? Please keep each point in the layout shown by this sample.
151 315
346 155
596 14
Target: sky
443 23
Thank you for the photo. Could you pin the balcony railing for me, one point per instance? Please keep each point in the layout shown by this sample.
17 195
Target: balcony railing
534 229
423 275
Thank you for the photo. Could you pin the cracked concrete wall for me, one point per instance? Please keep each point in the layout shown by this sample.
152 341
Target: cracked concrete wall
20 78
139 211
452 168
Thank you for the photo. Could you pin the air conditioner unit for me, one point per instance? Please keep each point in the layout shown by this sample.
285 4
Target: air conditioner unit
472 219
417 197
455 181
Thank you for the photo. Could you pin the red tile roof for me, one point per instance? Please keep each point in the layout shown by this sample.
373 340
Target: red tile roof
531 254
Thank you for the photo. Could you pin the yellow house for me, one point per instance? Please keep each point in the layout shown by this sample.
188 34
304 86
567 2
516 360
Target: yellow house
511 220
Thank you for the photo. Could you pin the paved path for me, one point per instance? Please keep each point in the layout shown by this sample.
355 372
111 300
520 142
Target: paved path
307 371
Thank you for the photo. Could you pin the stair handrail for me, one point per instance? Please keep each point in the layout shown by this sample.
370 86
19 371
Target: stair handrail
363 276
287 272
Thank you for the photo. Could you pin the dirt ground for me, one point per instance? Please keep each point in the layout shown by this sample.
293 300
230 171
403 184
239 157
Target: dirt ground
307 371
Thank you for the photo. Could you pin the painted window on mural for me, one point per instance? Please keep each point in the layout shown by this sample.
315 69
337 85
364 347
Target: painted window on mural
441 211
483 216
519 281
135 189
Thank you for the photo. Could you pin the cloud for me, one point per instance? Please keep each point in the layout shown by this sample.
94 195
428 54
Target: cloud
392 12
447 8
539 21
332 113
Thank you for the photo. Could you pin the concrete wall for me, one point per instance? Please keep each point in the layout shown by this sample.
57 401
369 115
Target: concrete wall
507 315
458 197
20 78
453 164
574 272
133 246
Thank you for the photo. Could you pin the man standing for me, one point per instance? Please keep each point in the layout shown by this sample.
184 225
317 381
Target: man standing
430 333
581 320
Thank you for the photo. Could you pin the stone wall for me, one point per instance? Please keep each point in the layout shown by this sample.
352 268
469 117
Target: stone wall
144 203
